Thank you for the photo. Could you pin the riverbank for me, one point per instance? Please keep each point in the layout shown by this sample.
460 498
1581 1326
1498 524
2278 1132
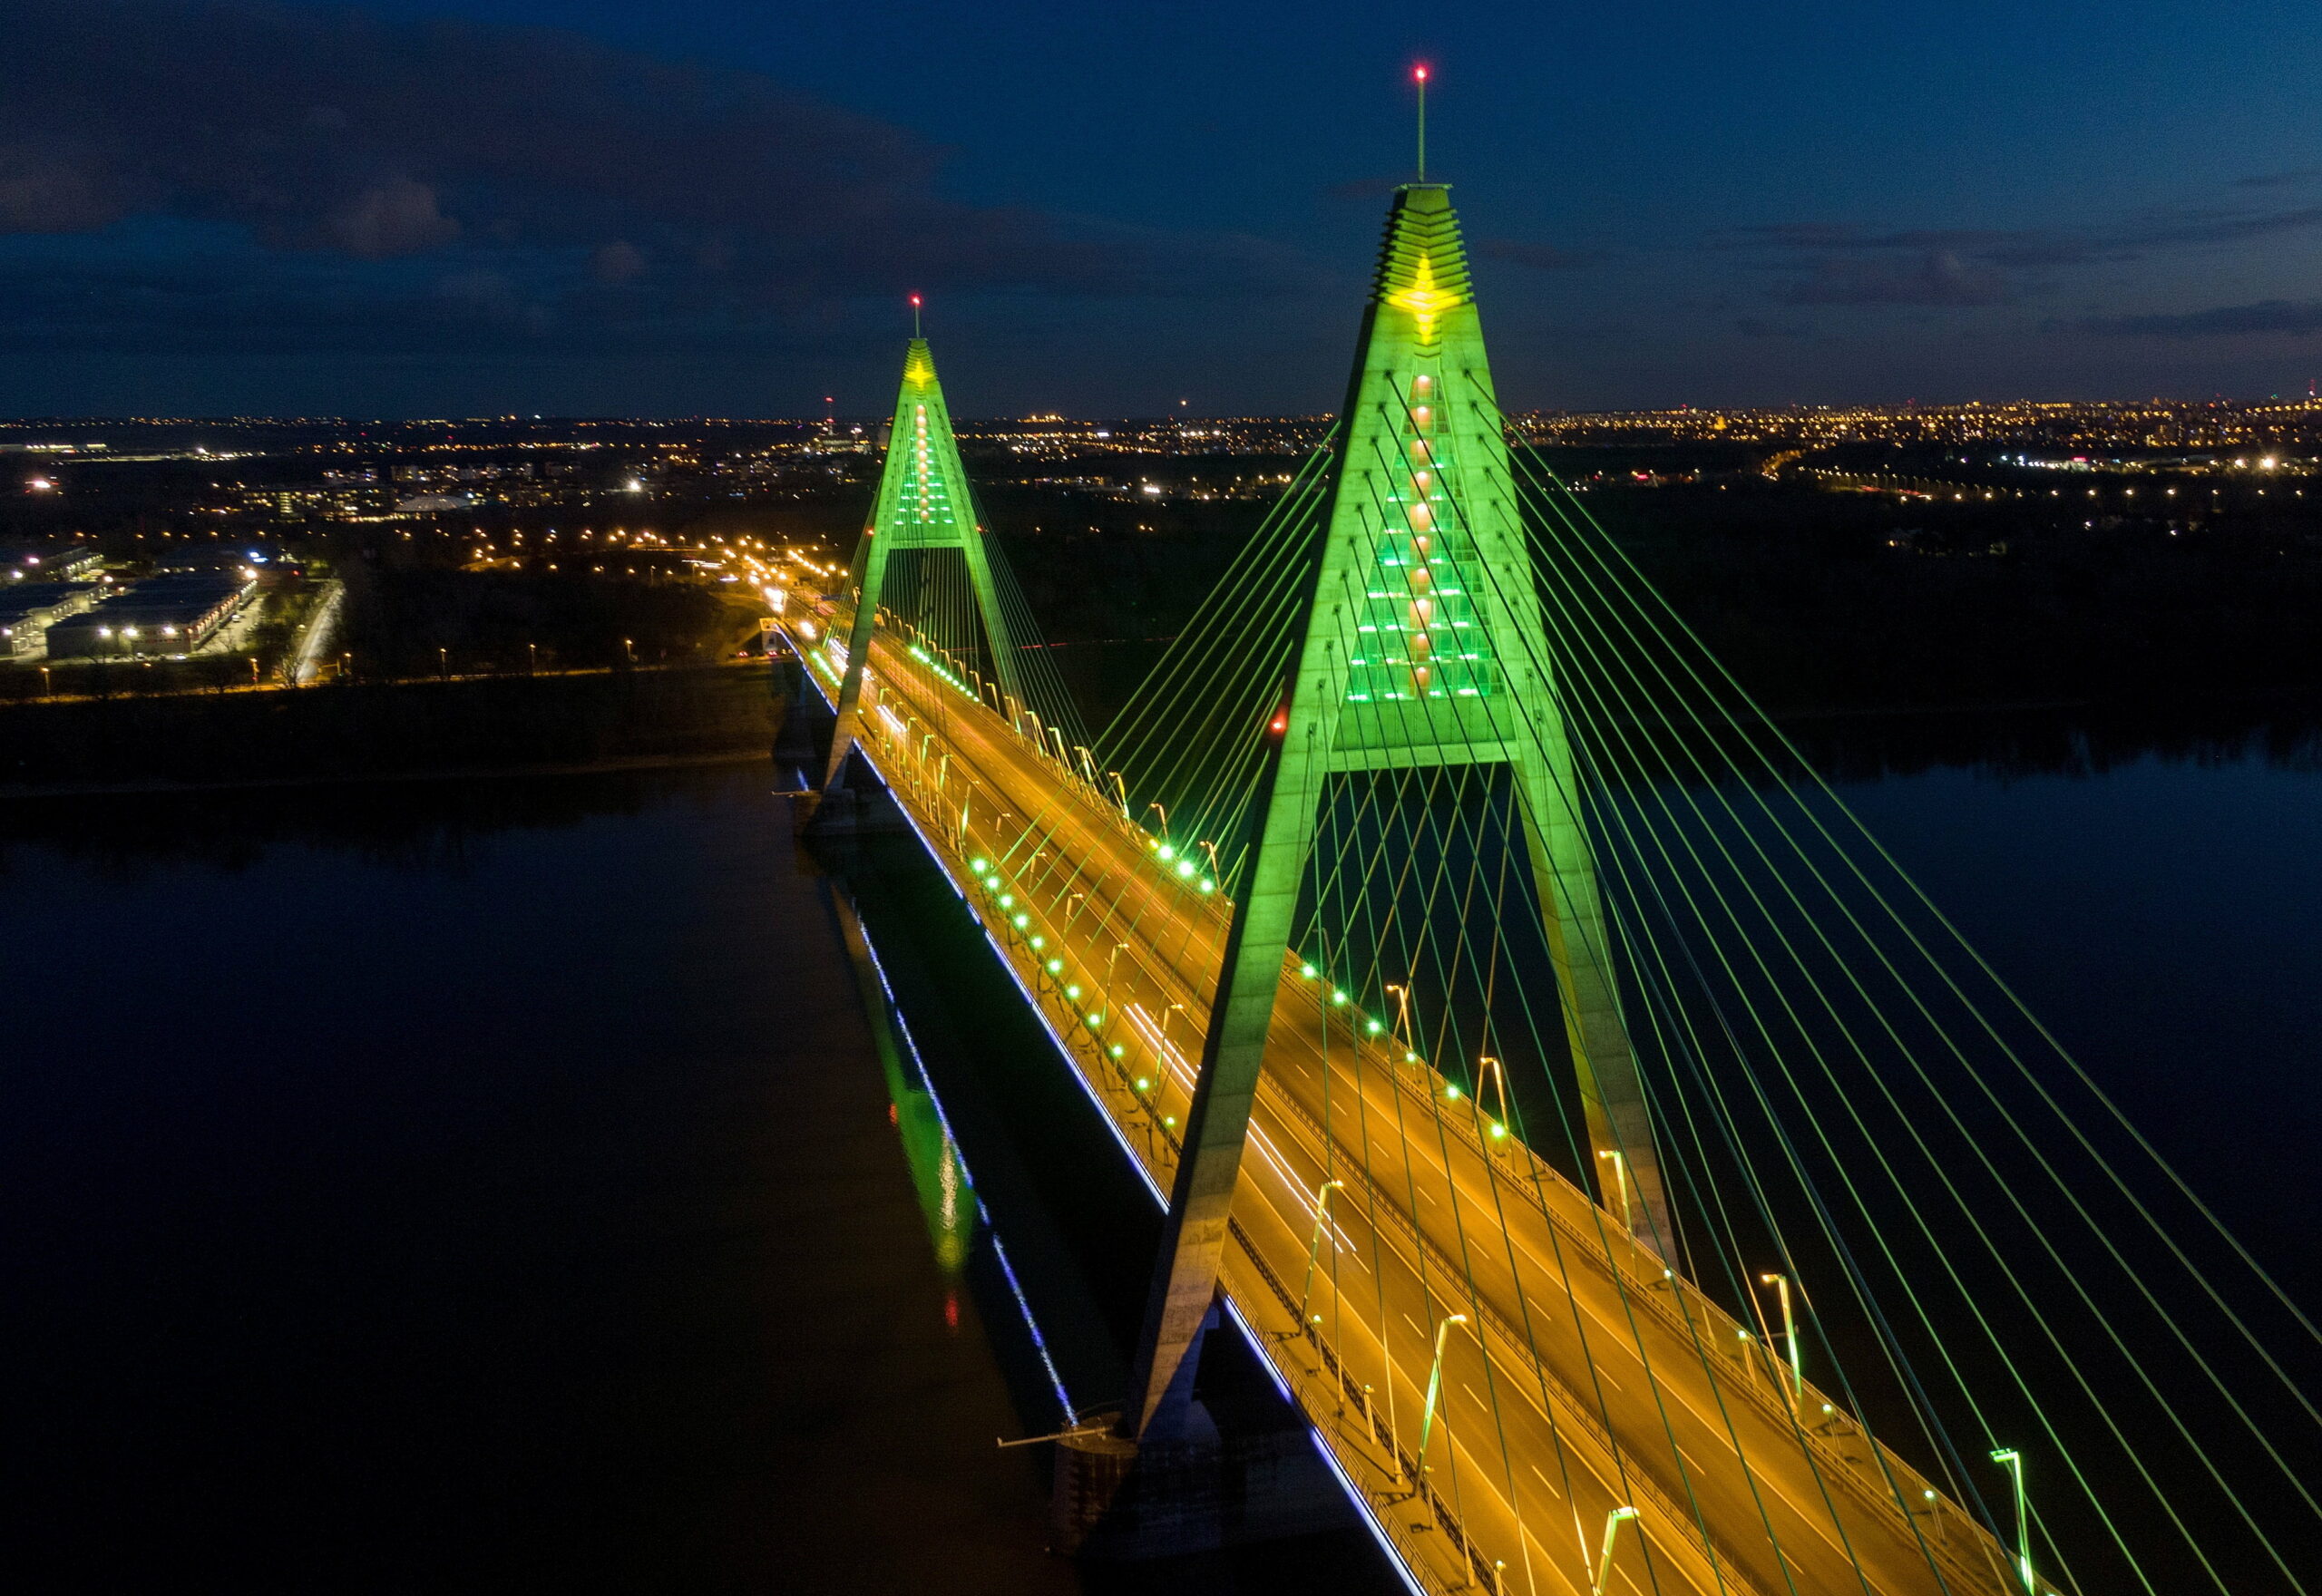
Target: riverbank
564 724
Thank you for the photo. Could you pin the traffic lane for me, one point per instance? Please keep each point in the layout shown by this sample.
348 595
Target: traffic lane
1673 1401
1495 1452
1048 821
1046 816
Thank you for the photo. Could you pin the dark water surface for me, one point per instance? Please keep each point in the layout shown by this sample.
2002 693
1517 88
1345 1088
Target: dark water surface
495 1186
480 1188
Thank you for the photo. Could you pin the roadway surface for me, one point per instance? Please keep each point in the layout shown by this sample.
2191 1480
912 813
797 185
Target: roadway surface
1583 1380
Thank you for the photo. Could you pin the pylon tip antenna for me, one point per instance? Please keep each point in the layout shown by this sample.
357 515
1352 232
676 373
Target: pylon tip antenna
1419 76
914 316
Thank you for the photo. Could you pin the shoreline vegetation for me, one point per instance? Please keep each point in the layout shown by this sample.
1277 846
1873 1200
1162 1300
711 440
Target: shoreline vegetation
678 716
359 730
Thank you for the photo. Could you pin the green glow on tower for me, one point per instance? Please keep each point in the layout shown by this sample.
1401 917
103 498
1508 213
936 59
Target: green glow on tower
1422 645
924 502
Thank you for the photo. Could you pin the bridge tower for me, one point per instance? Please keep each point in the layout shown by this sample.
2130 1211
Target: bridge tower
1421 644
924 503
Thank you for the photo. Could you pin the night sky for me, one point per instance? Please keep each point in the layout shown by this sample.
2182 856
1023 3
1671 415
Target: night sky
607 207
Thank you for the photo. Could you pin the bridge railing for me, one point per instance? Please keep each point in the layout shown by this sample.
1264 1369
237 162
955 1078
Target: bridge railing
1864 1468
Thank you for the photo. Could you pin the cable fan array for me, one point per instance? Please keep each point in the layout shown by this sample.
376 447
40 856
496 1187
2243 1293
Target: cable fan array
1878 1157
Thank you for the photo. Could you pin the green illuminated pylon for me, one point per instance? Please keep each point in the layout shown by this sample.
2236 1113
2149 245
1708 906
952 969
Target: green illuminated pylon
1422 645
924 503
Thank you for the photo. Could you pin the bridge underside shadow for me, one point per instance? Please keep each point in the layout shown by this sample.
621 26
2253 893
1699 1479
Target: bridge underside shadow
1250 1502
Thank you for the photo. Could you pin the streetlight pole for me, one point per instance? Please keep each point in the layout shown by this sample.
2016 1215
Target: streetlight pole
1403 1013
2010 1459
1435 1383
1500 1079
1612 1523
1789 1334
1155 806
1621 1174
1314 1248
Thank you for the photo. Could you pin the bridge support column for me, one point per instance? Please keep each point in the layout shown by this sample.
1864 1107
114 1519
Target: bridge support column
924 503
1421 644
1121 1501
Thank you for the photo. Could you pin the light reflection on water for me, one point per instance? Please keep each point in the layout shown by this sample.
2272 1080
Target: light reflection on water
508 1157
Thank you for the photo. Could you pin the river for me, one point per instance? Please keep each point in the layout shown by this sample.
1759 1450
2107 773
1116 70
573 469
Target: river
500 1185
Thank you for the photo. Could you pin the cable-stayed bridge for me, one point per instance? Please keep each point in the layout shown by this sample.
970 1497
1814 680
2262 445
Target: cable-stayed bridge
1632 1181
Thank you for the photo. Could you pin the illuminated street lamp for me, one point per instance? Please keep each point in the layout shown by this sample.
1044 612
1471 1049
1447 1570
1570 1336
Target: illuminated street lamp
1314 1248
1621 1176
2010 1459
1500 1079
1435 1383
1789 1334
1612 1523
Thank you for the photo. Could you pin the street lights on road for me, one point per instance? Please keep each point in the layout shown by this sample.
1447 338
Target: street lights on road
2010 1459
1314 1248
1621 1176
1612 1523
1403 1013
1435 1383
1789 1334
1499 1079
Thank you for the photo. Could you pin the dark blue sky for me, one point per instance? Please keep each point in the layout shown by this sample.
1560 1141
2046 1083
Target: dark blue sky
461 207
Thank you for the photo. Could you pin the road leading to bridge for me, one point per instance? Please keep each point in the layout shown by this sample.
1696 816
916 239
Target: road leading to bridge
1578 1377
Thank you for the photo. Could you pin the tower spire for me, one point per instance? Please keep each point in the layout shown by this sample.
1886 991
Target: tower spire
923 504
1418 75
1421 644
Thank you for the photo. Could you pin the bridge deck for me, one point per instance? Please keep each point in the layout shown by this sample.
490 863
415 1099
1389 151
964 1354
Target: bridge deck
1587 1378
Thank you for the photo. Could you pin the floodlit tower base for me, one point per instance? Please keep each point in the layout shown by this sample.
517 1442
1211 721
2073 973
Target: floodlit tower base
1122 1501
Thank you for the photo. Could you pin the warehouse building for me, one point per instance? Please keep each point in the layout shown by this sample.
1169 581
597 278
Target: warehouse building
165 616
27 610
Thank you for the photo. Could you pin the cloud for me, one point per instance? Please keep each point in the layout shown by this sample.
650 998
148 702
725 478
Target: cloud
2291 318
1930 276
2280 180
617 262
398 216
1539 257
596 185
1844 264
